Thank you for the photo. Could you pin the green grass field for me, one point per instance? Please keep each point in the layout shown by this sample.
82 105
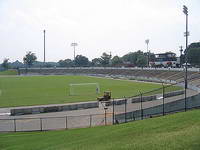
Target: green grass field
37 90
179 131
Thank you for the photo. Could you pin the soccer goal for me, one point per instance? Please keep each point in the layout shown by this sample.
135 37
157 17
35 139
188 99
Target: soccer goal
84 89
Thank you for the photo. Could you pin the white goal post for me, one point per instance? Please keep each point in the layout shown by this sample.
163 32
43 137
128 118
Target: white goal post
84 89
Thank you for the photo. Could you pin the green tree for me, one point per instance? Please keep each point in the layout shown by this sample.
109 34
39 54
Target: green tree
136 58
96 62
105 59
141 61
5 63
29 58
194 45
81 61
130 58
116 60
65 63
194 56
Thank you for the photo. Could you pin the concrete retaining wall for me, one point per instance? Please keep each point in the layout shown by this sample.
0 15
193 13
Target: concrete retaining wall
154 97
175 93
144 99
37 110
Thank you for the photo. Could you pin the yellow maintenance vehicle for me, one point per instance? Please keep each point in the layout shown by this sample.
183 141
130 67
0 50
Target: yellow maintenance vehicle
106 97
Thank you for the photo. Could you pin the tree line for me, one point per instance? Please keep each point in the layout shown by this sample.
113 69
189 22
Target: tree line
131 59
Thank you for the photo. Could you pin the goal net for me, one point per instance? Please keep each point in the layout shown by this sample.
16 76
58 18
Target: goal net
84 89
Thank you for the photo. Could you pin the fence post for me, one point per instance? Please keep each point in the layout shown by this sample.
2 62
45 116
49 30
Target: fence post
185 98
40 124
66 122
90 120
105 108
113 112
125 109
15 128
163 99
141 105
133 116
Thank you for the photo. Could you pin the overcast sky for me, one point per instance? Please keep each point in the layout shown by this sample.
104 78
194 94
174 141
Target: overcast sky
98 26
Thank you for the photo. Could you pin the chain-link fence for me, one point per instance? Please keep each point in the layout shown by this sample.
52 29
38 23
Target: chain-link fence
55 123
160 102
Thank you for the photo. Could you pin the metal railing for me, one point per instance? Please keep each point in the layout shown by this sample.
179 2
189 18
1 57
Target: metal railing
54 123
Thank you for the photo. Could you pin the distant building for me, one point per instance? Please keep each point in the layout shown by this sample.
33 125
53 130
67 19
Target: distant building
167 59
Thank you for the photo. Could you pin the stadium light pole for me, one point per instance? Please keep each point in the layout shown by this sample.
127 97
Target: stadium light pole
74 45
44 45
147 42
186 34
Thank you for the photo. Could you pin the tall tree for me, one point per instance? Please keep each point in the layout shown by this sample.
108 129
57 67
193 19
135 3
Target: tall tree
96 62
141 61
29 58
194 56
193 53
5 63
194 45
136 58
81 61
65 63
105 59
116 61
130 58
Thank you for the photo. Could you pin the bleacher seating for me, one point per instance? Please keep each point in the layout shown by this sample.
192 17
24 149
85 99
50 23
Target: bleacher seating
165 74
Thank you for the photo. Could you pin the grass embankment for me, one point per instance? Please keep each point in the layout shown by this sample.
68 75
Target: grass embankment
179 131
8 72
37 90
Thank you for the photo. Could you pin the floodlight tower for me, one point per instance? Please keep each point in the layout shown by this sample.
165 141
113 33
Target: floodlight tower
74 45
186 34
147 42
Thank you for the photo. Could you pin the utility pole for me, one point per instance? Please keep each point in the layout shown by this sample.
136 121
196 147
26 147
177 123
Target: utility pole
186 34
44 46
